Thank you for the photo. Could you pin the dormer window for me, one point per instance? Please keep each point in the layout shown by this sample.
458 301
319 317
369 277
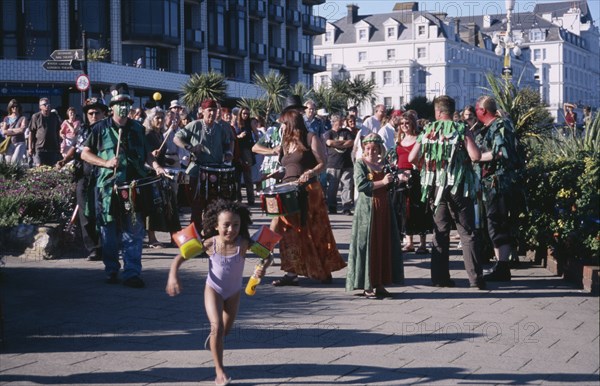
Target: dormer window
536 36
328 36
421 31
391 27
362 34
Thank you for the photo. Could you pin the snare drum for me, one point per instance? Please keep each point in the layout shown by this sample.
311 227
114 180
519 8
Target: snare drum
178 175
216 181
280 200
144 195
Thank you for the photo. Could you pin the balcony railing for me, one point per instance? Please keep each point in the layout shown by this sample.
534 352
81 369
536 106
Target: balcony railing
276 55
294 58
313 25
258 51
314 62
194 38
258 8
276 13
313 2
293 17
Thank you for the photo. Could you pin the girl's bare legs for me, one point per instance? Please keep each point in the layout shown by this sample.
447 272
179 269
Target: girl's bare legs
221 315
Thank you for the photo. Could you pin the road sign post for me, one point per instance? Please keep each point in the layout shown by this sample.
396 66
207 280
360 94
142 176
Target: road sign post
67 54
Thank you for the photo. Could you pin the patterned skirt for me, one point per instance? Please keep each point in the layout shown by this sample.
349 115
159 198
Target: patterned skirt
308 249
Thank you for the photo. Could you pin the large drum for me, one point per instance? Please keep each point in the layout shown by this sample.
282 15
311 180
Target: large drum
280 200
216 181
178 175
145 195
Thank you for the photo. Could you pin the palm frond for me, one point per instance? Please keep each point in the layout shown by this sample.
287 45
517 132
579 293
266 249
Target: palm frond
275 86
211 85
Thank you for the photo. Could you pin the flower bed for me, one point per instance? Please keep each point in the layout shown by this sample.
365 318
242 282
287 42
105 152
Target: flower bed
29 199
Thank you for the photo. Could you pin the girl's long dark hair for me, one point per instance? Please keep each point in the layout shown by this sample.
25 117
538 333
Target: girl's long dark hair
295 130
211 217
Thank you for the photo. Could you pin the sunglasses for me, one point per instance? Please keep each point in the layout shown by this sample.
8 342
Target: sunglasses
44 104
93 113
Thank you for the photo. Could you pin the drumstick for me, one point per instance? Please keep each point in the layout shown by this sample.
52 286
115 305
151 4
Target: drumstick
167 133
117 152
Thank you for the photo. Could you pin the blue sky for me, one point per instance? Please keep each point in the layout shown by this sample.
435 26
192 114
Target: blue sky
336 9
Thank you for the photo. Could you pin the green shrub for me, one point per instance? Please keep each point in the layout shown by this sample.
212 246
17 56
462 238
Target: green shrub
35 196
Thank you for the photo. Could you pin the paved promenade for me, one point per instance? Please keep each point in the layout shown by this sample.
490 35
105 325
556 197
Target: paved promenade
64 326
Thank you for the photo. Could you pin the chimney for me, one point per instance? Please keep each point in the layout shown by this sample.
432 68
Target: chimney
352 16
457 28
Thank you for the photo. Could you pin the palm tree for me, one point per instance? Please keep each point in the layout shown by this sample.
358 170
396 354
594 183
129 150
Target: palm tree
302 90
524 107
275 86
329 98
211 85
257 107
361 91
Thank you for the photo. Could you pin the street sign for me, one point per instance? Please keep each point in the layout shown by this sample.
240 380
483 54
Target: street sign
67 54
61 65
82 82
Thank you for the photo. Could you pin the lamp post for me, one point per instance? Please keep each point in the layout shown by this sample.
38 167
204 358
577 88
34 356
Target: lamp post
505 42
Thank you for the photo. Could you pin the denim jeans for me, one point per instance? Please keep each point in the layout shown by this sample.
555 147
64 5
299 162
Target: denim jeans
334 178
127 237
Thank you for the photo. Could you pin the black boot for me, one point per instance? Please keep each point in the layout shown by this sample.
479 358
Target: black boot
500 273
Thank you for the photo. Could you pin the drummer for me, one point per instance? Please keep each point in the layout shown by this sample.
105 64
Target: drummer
115 146
209 142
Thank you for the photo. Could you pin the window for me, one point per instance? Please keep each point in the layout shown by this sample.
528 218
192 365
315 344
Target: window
360 77
362 56
401 101
216 65
537 54
421 30
391 32
373 76
421 52
401 76
537 36
362 34
387 77
328 36
324 79
327 59
391 54
456 75
387 101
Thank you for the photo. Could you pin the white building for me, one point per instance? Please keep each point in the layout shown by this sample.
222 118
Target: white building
411 53
170 38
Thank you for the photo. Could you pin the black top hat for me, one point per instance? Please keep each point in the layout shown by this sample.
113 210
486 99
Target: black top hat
120 93
292 102
94 103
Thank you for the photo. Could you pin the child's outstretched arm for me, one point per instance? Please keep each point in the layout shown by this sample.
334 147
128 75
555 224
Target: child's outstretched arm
173 287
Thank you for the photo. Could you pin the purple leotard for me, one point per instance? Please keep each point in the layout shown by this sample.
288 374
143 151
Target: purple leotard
225 272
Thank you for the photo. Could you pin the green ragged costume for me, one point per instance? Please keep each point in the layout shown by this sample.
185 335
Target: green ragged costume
132 156
502 173
447 163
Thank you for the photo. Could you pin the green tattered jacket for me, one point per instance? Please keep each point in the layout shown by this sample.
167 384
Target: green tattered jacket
447 163
132 156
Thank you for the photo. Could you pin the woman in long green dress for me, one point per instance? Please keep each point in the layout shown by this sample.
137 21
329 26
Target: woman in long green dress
375 258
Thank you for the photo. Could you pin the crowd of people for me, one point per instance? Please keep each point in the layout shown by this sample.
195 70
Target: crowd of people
397 174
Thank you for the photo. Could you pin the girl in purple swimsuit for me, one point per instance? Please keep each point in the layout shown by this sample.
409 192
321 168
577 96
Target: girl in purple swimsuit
227 239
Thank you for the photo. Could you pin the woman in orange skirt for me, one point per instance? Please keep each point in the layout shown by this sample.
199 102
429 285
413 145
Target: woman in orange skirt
308 247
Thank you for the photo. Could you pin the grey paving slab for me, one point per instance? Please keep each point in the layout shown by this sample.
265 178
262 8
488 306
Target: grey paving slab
64 326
